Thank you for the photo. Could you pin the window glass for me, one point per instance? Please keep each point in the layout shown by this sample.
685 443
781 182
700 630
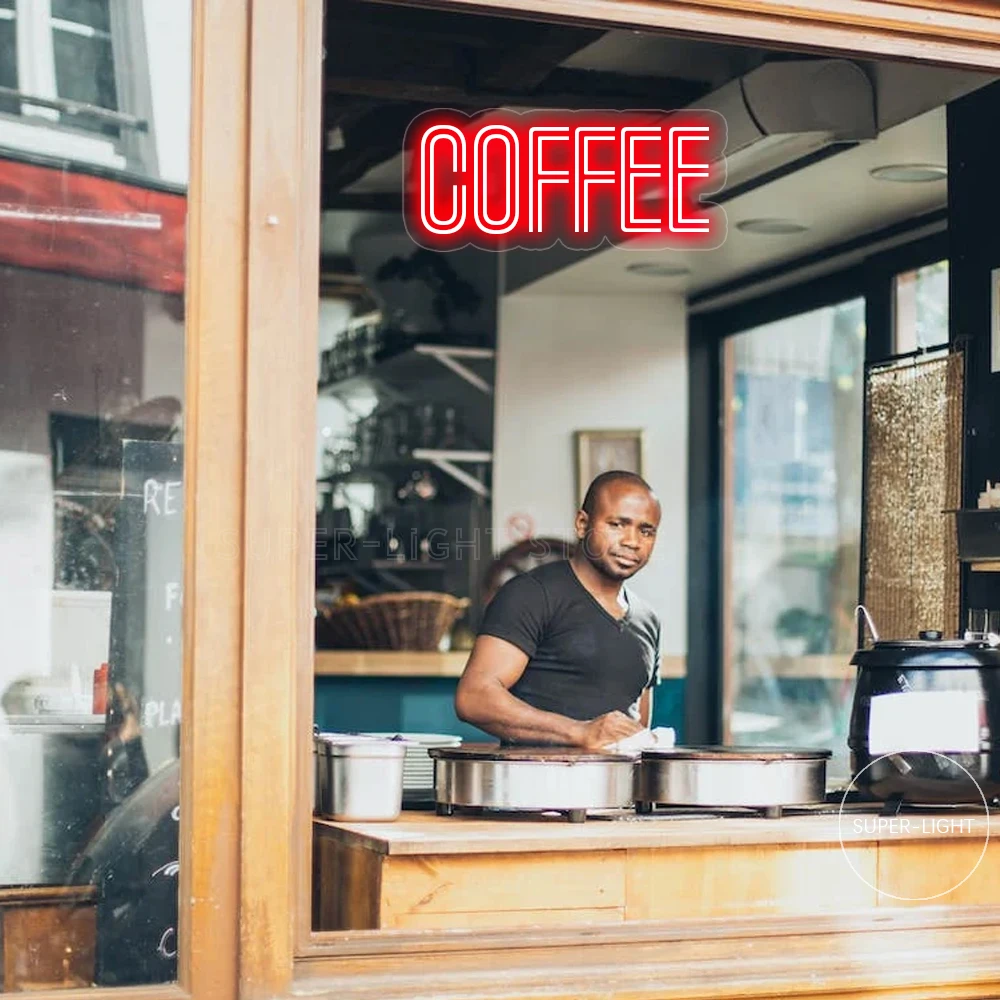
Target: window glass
85 69
794 409
91 526
89 108
922 308
8 54
93 13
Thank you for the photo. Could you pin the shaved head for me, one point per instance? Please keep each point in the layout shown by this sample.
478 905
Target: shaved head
608 479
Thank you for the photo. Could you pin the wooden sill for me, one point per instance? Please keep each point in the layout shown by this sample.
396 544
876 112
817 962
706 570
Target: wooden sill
903 954
388 663
401 663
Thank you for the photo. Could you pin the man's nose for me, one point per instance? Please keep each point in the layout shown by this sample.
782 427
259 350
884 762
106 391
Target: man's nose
631 538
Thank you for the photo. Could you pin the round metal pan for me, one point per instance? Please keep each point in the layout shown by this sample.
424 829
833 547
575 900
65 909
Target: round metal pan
753 777
523 779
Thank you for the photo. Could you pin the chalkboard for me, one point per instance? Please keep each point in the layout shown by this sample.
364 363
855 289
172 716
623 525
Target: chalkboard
146 641
134 858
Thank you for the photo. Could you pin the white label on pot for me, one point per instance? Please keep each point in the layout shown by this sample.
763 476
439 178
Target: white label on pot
939 721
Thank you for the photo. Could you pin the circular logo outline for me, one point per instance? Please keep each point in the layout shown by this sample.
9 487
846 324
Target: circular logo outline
882 892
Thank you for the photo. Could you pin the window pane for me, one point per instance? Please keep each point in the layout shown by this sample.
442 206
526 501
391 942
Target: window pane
8 64
922 308
91 541
93 13
793 526
85 69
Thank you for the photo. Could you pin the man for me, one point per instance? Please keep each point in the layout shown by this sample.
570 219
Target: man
566 654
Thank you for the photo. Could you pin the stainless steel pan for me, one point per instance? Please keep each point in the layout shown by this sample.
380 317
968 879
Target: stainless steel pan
531 779
755 777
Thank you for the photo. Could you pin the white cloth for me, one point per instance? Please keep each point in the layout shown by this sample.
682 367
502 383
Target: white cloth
663 737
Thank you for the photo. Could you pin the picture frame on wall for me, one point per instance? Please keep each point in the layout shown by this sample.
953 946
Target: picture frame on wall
995 320
600 451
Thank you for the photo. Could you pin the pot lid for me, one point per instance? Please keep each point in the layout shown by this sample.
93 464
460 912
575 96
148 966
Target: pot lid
930 649
528 754
736 754
356 745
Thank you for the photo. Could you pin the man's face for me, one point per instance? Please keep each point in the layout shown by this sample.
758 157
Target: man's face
618 537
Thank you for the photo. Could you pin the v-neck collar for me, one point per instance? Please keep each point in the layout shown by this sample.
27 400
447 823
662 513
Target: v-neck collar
618 622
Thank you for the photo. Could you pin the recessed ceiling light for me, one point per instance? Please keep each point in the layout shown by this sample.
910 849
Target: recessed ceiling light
653 270
771 227
910 173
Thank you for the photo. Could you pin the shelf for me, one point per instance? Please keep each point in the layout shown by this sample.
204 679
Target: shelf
445 460
400 663
467 371
388 663
978 534
395 566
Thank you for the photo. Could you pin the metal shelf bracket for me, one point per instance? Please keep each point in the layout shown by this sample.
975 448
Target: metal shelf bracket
446 462
450 358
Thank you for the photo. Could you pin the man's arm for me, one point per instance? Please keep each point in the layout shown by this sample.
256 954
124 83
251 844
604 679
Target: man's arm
646 707
483 699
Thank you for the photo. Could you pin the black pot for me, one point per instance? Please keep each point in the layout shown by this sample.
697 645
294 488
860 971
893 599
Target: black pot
911 766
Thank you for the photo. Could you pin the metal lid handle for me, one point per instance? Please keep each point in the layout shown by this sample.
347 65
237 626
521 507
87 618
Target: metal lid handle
863 617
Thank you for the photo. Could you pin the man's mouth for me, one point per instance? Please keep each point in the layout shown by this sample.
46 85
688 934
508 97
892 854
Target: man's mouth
625 560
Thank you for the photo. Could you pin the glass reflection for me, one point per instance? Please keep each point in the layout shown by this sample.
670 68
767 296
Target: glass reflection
94 123
793 528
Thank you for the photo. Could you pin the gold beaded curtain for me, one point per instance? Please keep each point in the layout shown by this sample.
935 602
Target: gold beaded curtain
913 475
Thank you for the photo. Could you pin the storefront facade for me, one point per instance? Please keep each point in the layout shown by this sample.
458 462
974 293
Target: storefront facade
246 779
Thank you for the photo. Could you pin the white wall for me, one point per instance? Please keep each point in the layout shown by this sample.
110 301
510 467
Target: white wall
168 49
567 363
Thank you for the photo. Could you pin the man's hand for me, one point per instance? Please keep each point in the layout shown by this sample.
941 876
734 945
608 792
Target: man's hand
606 729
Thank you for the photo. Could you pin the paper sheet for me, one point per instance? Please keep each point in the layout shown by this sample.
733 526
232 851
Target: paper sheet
939 721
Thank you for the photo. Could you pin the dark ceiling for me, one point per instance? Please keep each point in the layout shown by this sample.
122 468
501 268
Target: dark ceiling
386 64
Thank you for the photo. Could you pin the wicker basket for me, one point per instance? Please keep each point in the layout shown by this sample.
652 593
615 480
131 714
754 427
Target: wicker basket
416 620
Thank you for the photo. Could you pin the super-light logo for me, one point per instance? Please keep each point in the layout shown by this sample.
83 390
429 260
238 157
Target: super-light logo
504 179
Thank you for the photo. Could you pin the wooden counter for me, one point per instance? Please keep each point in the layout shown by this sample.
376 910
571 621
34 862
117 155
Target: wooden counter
425 871
47 937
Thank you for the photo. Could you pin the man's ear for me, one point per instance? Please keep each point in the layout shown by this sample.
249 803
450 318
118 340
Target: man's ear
582 522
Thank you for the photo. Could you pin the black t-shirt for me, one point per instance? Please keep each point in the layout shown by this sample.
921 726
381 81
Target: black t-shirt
582 662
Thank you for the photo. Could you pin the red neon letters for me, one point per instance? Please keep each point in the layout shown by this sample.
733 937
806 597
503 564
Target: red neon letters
502 179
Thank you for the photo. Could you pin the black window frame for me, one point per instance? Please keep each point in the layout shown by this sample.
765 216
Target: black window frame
874 279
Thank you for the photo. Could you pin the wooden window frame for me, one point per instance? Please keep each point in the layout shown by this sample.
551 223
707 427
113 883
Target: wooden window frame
279 946
251 323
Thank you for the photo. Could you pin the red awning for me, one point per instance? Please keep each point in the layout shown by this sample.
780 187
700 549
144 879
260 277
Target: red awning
53 219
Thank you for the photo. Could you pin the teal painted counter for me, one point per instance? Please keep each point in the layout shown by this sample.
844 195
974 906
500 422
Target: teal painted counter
426 705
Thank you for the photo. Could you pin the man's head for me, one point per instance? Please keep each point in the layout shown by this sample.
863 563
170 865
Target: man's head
617 524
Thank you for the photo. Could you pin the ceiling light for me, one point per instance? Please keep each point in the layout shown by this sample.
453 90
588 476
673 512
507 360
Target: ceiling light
910 173
771 227
649 269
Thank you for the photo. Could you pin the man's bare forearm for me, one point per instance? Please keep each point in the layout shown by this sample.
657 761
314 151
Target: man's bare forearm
501 714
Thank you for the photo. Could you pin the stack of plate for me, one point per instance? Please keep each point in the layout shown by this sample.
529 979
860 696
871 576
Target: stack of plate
418 768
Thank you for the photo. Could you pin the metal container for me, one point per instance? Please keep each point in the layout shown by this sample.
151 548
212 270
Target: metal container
357 778
528 779
925 720
753 777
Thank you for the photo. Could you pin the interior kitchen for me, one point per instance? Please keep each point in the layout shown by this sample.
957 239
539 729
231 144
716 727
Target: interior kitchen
812 404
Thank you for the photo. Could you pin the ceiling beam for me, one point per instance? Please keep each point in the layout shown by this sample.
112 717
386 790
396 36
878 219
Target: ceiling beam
521 68
569 89
477 31
373 139
345 201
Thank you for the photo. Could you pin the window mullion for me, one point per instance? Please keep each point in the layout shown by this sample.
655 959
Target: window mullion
36 55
